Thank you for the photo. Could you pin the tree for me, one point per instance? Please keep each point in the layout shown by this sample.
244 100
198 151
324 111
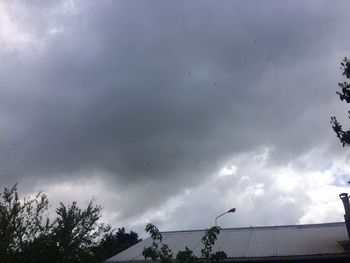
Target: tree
161 252
75 232
114 242
157 250
344 95
186 256
75 235
208 241
23 225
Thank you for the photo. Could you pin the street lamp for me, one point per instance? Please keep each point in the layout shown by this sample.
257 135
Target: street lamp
232 210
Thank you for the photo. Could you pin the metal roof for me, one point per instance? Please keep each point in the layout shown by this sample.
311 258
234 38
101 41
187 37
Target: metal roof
253 242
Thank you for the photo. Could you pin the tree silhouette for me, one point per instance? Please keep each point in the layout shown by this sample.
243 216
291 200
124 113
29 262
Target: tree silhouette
160 251
114 242
344 95
74 235
23 225
76 231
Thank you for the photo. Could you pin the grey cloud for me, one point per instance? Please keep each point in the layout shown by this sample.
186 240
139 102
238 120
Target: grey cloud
162 93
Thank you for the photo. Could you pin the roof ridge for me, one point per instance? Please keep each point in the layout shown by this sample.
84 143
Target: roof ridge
262 227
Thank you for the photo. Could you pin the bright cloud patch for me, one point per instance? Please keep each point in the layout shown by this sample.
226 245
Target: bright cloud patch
269 196
12 33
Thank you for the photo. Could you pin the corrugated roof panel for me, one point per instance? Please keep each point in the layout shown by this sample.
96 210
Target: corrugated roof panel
234 243
251 242
134 252
192 241
286 242
257 244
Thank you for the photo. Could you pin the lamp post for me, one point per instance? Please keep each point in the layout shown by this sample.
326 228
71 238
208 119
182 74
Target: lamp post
232 210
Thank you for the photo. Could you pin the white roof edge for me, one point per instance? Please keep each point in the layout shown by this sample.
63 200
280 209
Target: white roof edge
262 227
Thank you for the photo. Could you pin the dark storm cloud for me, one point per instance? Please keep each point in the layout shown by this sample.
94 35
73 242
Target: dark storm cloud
163 92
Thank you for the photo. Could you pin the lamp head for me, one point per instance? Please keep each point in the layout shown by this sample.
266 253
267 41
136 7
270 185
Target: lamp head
232 210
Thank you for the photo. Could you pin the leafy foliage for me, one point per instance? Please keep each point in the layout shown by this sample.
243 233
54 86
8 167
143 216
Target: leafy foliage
75 235
344 95
217 256
160 251
114 242
75 232
208 241
186 256
22 225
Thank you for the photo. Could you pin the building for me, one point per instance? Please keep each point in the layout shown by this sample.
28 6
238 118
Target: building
328 242
311 243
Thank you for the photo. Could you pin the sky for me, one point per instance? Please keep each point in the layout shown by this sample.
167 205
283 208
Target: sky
173 112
